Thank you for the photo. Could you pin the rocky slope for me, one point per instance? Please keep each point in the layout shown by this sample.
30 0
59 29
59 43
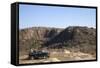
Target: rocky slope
39 34
75 38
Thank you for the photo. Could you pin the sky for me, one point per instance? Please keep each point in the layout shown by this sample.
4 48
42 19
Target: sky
58 17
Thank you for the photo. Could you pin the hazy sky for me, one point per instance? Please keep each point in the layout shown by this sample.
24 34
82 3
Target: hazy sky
60 17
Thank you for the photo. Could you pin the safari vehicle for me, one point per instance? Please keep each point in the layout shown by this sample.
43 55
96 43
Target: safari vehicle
38 54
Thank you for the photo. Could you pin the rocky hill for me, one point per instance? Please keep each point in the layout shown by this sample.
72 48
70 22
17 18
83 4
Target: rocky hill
75 38
38 35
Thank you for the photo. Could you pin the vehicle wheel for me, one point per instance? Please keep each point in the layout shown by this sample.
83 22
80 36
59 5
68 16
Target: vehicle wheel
44 57
48 56
32 58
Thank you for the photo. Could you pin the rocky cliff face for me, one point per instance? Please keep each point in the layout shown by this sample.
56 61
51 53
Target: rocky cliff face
76 38
40 34
76 35
79 38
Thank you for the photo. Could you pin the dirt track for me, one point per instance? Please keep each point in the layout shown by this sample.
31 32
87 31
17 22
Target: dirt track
58 56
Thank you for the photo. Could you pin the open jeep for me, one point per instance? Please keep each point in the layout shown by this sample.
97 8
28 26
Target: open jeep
38 55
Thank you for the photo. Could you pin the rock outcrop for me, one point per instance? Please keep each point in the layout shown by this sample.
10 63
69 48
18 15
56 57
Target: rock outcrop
40 34
74 37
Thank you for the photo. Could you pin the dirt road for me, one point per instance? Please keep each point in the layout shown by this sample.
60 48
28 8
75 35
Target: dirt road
58 57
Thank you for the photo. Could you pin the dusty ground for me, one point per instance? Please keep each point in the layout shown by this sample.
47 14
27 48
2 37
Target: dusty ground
55 56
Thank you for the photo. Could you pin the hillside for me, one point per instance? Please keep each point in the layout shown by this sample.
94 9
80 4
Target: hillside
40 35
75 38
